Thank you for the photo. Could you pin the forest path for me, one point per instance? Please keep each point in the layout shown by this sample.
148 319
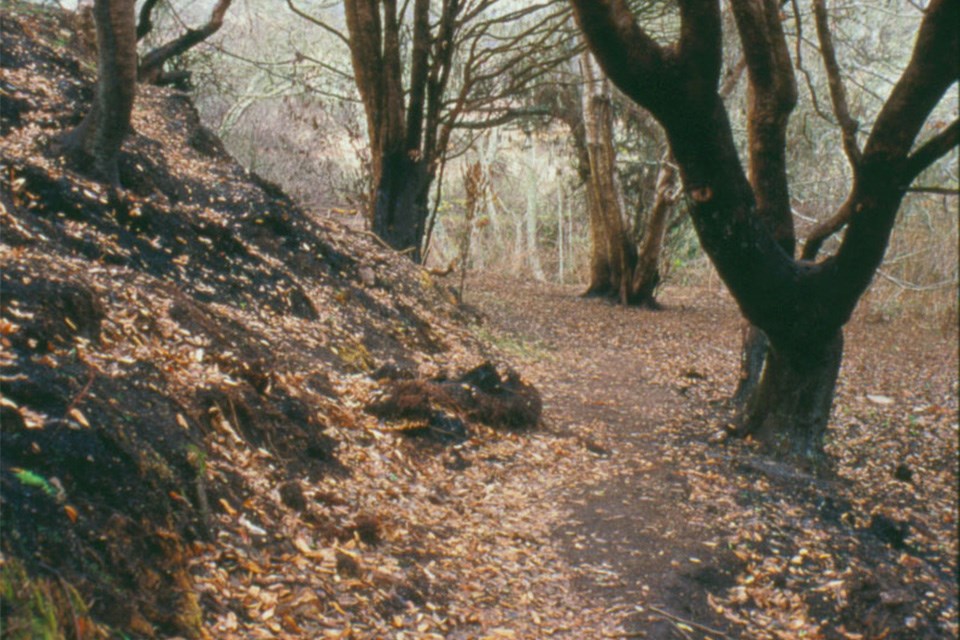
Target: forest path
674 532
631 385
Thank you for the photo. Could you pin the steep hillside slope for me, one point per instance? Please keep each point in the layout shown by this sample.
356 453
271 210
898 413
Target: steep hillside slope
185 369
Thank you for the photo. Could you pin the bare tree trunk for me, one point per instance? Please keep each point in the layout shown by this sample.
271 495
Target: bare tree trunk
530 215
772 95
98 138
473 185
400 211
620 258
561 205
646 276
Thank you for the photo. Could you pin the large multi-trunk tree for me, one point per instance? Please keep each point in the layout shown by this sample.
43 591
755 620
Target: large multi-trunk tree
403 123
625 248
95 143
427 69
800 306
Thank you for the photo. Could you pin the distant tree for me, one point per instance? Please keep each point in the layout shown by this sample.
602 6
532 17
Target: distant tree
613 251
425 71
95 143
625 247
151 69
801 306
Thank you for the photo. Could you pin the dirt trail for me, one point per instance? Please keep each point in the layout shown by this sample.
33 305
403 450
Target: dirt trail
619 378
685 537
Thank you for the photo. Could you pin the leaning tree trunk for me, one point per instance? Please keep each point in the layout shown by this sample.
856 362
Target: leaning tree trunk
789 411
97 139
151 68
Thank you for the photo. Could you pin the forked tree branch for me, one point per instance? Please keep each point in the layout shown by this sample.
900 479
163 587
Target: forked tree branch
151 67
823 230
317 21
924 81
887 168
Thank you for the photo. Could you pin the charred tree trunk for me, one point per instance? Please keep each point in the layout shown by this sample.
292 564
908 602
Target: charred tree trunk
400 211
789 411
95 143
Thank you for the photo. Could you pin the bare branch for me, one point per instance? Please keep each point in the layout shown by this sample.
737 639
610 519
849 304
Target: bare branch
151 67
943 191
628 55
772 96
885 168
145 21
838 96
504 117
819 234
932 150
320 23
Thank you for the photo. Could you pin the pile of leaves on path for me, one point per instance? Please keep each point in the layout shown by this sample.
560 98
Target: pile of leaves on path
685 533
187 364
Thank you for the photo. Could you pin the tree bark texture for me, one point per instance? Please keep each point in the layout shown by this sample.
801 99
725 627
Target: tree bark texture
98 138
400 212
800 306
790 409
771 97
753 355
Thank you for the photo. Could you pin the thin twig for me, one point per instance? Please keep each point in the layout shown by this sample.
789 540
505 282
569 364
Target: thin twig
77 398
384 244
946 191
691 623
